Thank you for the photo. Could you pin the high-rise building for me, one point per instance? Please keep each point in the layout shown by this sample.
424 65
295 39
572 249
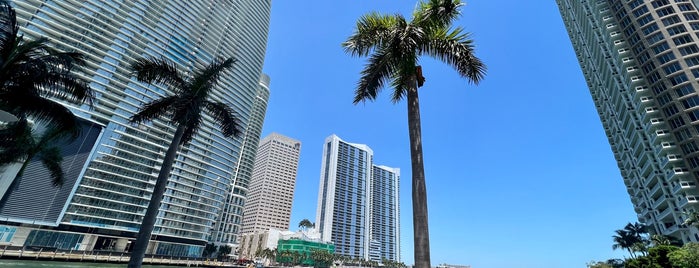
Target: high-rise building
107 204
641 63
357 202
230 221
271 191
385 212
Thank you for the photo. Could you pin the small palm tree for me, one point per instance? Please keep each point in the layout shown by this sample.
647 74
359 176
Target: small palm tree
305 224
184 110
24 145
624 240
32 74
394 46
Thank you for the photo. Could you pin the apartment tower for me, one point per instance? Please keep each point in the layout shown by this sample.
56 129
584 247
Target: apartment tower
641 63
358 207
271 190
385 213
108 199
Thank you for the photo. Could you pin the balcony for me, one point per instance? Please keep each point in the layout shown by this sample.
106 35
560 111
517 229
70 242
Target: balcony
659 136
639 93
689 199
661 200
650 112
684 186
664 213
665 147
655 188
676 173
654 124
669 159
646 102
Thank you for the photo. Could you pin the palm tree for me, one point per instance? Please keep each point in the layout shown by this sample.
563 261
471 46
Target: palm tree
394 46
624 240
184 110
305 224
31 74
20 143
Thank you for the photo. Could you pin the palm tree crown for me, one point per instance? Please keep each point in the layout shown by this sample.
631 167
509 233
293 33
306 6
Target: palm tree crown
31 72
191 96
394 46
184 109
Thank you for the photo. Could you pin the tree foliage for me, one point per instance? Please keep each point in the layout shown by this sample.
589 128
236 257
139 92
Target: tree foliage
685 257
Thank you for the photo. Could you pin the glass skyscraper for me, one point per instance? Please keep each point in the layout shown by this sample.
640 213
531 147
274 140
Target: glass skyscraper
641 62
108 202
358 207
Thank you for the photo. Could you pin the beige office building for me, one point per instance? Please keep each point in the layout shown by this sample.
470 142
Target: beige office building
271 190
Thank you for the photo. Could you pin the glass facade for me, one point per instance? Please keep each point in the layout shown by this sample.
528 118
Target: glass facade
385 213
117 184
358 202
229 226
641 62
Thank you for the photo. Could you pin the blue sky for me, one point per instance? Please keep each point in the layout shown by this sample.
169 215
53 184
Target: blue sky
519 171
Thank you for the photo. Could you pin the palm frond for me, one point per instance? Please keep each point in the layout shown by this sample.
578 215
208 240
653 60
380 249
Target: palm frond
65 86
225 117
16 141
456 49
51 158
158 71
437 13
205 79
53 114
371 32
8 28
376 73
155 109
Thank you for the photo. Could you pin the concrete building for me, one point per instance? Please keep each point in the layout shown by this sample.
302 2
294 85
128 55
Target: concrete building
272 186
111 195
641 63
358 202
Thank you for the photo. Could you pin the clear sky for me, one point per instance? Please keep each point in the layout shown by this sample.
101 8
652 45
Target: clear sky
519 171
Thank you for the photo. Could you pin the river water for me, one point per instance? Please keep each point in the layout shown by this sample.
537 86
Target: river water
61 264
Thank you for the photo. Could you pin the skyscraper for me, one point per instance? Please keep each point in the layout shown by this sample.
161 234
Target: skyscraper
385 212
641 62
357 202
110 198
271 190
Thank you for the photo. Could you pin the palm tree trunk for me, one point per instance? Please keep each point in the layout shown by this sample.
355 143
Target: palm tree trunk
420 228
144 233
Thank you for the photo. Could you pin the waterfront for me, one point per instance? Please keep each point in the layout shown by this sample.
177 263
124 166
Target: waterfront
61 264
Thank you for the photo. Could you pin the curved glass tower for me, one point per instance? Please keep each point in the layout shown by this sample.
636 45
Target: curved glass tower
110 199
641 62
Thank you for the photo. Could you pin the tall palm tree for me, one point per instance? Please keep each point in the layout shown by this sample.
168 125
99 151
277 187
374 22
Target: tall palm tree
184 110
393 46
32 74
